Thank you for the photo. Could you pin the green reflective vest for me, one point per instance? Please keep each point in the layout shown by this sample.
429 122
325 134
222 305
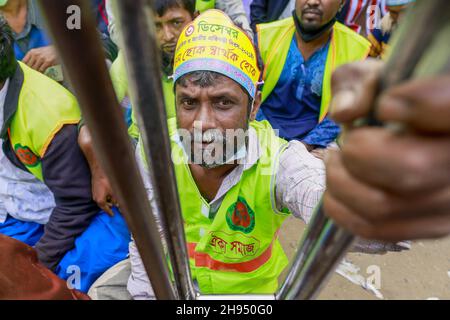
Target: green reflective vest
274 40
235 250
119 79
203 5
43 108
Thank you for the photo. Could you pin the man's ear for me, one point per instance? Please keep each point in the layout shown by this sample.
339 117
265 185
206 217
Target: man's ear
256 106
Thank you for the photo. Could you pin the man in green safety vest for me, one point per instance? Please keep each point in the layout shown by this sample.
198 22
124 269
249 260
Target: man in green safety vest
237 180
235 199
45 183
297 76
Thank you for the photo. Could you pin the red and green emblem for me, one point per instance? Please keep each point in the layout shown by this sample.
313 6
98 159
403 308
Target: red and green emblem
26 156
240 217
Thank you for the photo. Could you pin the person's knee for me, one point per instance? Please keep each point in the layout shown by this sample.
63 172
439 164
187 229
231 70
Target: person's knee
112 285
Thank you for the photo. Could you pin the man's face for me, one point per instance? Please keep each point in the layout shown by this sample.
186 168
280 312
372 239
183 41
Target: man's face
313 14
169 27
210 115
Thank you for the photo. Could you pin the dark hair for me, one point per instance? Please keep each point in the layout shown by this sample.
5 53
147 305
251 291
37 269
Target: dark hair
205 79
161 6
8 62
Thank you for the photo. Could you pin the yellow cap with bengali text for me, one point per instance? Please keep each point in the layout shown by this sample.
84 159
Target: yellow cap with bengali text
213 43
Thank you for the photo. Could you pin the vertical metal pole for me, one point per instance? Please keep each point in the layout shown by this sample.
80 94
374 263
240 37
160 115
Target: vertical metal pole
142 55
83 58
316 259
308 242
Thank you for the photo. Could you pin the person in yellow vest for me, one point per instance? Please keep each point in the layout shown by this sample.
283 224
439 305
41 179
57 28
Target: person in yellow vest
237 180
300 53
233 8
170 19
233 202
45 183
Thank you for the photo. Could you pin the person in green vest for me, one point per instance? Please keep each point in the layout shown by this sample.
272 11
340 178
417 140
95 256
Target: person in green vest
45 182
233 8
233 202
297 76
170 19
237 180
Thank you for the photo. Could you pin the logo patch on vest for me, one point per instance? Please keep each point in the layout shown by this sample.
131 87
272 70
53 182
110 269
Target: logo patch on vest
233 246
26 156
240 217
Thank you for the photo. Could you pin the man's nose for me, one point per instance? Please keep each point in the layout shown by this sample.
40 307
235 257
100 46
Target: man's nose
313 3
168 35
206 117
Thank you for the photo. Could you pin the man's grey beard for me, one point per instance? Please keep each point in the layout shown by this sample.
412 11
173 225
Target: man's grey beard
222 148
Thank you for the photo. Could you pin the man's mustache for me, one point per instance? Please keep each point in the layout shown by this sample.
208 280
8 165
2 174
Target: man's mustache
169 46
209 136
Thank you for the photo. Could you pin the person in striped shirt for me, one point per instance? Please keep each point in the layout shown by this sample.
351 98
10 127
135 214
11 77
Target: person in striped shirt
362 16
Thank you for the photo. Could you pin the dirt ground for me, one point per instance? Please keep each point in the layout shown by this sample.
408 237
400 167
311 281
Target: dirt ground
420 273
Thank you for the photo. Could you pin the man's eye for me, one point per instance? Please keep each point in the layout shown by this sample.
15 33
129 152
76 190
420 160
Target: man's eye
188 103
225 103
177 23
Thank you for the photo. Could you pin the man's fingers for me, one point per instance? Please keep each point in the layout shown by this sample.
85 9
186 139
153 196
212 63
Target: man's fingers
104 204
40 65
44 66
114 202
400 163
109 211
423 227
354 87
433 226
27 57
377 205
107 207
346 218
31 61
423 105
36 62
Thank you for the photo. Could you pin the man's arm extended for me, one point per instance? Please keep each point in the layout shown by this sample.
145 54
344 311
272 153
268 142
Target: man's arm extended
300 185
101 188
67 175
300 181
